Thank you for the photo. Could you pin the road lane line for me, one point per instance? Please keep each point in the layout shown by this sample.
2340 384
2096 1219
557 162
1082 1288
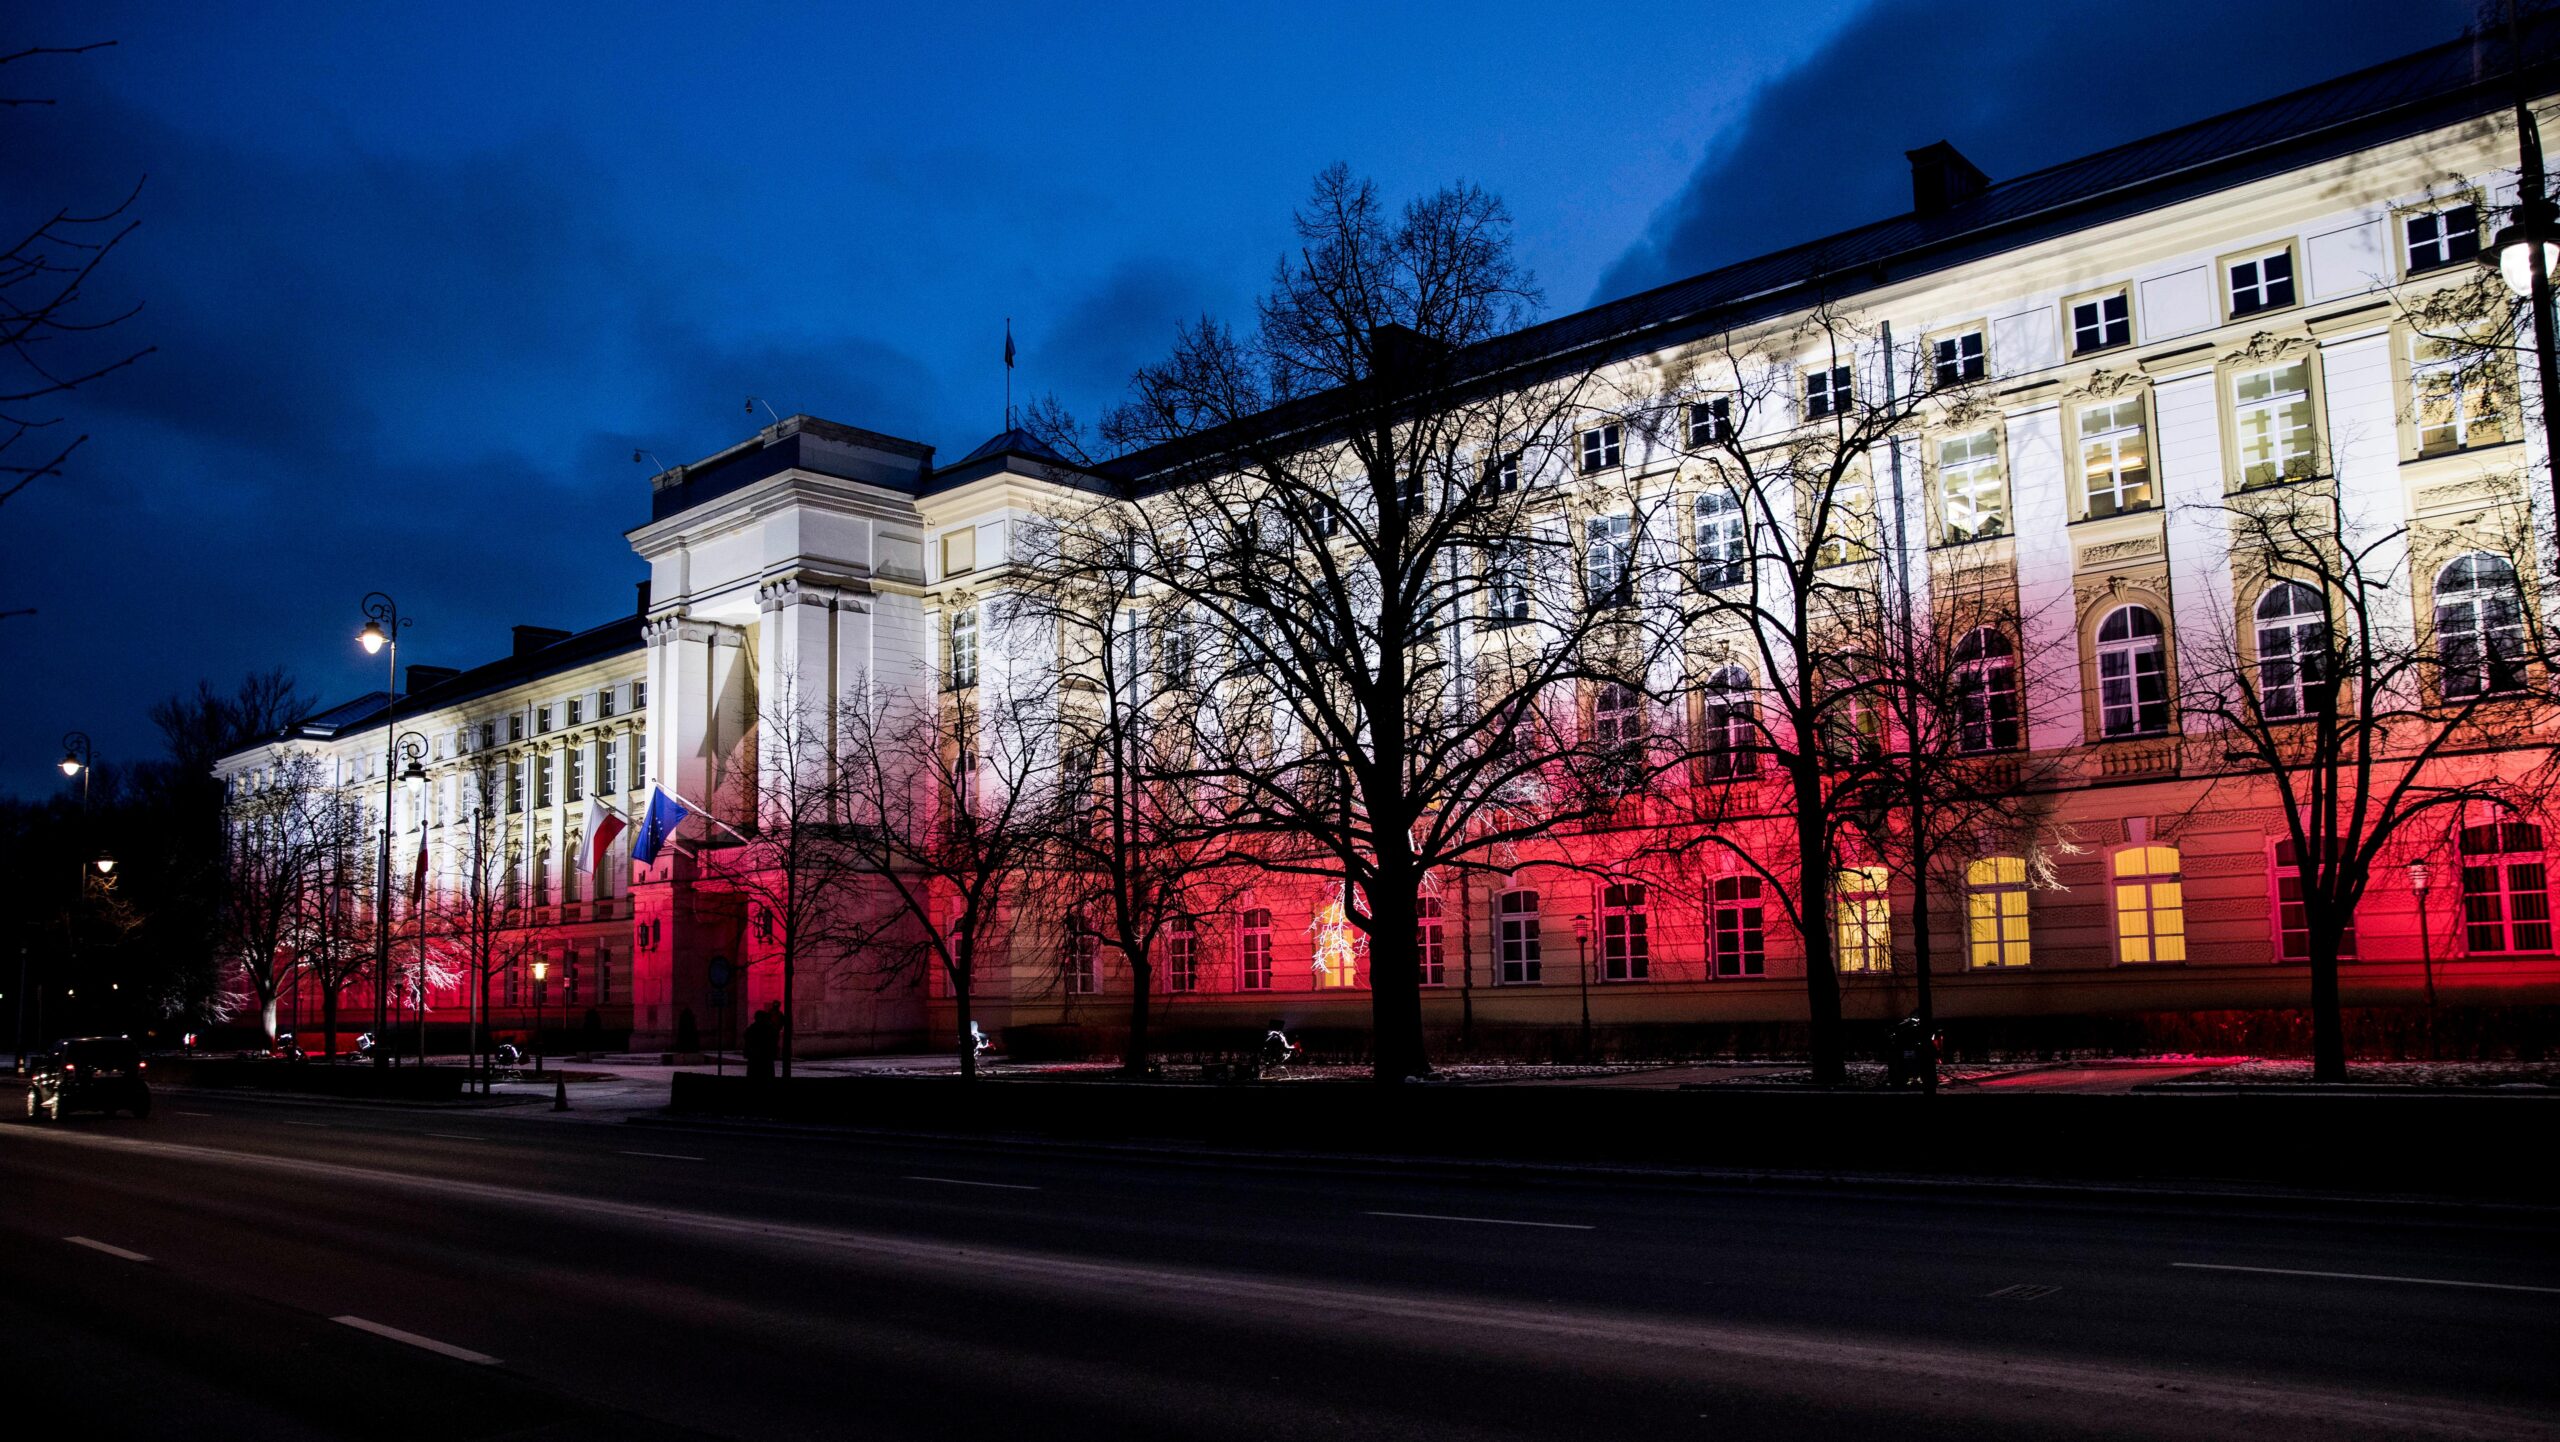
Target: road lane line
664 1156
1487 1221
442 1349
2369 1277
965 1182
97 1246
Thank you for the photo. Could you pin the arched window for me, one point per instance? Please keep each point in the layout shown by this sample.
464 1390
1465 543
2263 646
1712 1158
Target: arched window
1995 892
1864 918
1986 691
1716 518
1518 913
1724 725
2293 649
2151 905
1430 939
2479 626
2133 674
1253 949
964 647
2506 889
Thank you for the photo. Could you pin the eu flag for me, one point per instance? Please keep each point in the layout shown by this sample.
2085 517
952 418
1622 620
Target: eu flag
657 824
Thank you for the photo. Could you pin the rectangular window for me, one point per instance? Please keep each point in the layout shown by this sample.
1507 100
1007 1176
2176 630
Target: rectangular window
639 761
1971 496
608 766
541 782
542 721
1182 957
604 976
1431 940
604 703
2455 390
1710 423
1958 358
1083 960
1827 392
2151 906
515 728
2115 457
639 694
964 648
1518 915
577 706
488 734
2293 917
1606 558
1738 939
1253 950
2438 238
2101 322
1624 952
2262 283
1863 916
2506 890
2271 419
1848 525
577 773
1996 912
515 786
960 551
1718 538
1600 448
1502 473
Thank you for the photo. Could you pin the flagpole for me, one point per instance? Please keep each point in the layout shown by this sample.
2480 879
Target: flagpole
1008 372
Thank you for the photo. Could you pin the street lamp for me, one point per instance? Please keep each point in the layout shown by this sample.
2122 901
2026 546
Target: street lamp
1582 966
541 969
106 864
2426 948
2525 252
381 632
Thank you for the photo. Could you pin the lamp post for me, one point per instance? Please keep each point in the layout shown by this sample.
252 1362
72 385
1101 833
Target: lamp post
541 969
410 747
2527 251
2426 948
79 759
1582 967
381 633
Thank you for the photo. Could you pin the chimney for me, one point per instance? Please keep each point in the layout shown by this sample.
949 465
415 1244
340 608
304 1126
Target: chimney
1942 179
423 678
530 639
644 598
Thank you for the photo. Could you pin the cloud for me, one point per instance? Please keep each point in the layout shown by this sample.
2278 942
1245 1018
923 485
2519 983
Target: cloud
1124 319
2016 85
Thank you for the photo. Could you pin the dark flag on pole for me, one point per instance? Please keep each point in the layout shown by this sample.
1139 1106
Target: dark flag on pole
1008 372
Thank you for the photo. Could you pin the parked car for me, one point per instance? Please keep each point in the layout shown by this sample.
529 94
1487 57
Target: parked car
90 1073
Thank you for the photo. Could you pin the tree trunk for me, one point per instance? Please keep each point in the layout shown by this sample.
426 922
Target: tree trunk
1133 1058
790 1041
1395 982
2328 1031
968 1050
1813 903
329 1023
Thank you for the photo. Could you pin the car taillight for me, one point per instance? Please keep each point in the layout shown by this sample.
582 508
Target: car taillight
71 1066
141 1065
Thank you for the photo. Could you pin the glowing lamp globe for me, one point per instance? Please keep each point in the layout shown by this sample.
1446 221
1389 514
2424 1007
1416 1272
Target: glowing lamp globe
371 638
70 764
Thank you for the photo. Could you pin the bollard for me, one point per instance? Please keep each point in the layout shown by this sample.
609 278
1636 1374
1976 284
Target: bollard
560 1094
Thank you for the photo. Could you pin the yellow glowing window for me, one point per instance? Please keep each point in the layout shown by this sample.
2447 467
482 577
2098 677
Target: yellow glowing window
1863 913
1996 907
2151 907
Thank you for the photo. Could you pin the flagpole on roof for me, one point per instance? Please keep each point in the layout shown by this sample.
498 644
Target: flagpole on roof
1008 373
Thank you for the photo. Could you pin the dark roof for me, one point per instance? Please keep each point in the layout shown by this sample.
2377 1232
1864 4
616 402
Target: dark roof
2459 80
366 711
799 442
1014 442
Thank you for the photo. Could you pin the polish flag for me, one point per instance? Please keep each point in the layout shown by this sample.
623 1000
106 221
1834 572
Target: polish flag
603 824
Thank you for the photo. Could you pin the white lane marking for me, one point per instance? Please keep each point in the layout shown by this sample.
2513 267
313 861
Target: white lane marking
98 1246
2369 1277
965 1182
664 1156
1487 1221
442 1349
453 1136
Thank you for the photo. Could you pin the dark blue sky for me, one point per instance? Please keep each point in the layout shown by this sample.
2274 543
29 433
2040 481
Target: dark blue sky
420 280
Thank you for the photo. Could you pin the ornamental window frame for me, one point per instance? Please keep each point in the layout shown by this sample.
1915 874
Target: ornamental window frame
2120 417
1737 929
1726 724
2290 648
2506 904
1972 486
1626 952
2446 245
1862 919
1719 539
2485 653
960 638
2107 324
1608 560
2281 398
1960 355
2461 395
2118 661
2261 280
1989 716
1253 949
1517 940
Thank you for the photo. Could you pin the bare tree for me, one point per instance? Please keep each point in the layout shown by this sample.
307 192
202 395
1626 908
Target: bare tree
332 929
51 327
479 912
1801 558
947 801
276 841
2363 719
1392 610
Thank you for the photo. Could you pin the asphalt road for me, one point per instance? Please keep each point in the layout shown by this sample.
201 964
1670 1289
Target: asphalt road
254 1268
